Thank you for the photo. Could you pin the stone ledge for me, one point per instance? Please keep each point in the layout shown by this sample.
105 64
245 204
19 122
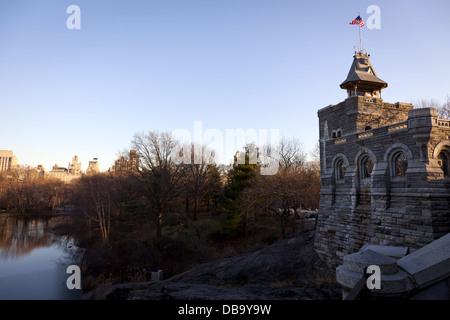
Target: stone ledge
359 261
428 264
390 251
413 274
397 284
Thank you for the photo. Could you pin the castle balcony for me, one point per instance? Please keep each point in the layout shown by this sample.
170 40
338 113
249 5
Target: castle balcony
443 123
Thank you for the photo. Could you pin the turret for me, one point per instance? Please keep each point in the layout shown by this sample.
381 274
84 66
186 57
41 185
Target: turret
362 80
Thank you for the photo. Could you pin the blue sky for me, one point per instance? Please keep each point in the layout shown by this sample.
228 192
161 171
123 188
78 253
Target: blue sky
232 64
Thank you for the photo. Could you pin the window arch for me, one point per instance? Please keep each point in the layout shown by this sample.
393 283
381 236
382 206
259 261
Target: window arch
340 169
398 157
444 162
366 167
400 164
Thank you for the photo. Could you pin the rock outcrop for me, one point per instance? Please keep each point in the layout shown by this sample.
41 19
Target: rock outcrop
288 269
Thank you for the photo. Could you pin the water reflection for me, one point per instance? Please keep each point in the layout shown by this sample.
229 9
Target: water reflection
33 260
20 236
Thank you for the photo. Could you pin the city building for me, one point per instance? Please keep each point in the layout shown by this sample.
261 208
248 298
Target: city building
384 170
75 166
59 173
40 170
93 167
120 164
124 164
72 171
133 161
7 160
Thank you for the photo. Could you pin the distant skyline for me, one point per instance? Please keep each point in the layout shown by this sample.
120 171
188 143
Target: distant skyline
136 66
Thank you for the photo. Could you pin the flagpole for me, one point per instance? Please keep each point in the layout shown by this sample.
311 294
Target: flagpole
360 39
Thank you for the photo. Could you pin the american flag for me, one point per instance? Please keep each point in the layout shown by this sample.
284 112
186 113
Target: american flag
358 20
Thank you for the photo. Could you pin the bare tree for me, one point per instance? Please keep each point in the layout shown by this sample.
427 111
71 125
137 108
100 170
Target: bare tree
315 153
95 195
198 175
427 103
287 153
24 190
290 153
159 170
443 110
285 192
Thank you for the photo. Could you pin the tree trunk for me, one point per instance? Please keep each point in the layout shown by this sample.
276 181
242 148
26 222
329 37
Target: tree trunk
283 232
159 225
186 206
195 208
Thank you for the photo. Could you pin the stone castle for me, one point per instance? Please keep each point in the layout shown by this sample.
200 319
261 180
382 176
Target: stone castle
385 170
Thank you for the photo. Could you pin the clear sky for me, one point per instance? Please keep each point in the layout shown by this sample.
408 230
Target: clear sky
232 64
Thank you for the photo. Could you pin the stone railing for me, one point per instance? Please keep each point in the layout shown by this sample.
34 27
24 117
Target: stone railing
340 140
365 135
443 123
381 130
393 106
398 126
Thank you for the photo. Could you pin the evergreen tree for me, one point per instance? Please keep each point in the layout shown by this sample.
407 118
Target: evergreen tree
240 177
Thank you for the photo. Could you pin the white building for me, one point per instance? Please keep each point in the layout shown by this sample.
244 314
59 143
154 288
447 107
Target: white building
7 160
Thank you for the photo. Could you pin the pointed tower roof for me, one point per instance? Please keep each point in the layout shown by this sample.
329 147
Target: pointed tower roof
362 75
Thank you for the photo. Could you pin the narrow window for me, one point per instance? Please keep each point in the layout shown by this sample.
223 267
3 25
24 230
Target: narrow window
444 162
341 168
400 165
366 167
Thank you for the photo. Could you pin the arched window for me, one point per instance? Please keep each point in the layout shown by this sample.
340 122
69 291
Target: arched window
340 170
367 128
400 165
366 167
444 162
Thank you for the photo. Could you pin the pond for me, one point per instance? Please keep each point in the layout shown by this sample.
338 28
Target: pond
34 260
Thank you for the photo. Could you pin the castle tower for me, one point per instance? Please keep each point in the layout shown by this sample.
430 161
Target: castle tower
384 170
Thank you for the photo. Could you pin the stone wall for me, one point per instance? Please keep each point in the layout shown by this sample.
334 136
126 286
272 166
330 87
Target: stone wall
385 209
